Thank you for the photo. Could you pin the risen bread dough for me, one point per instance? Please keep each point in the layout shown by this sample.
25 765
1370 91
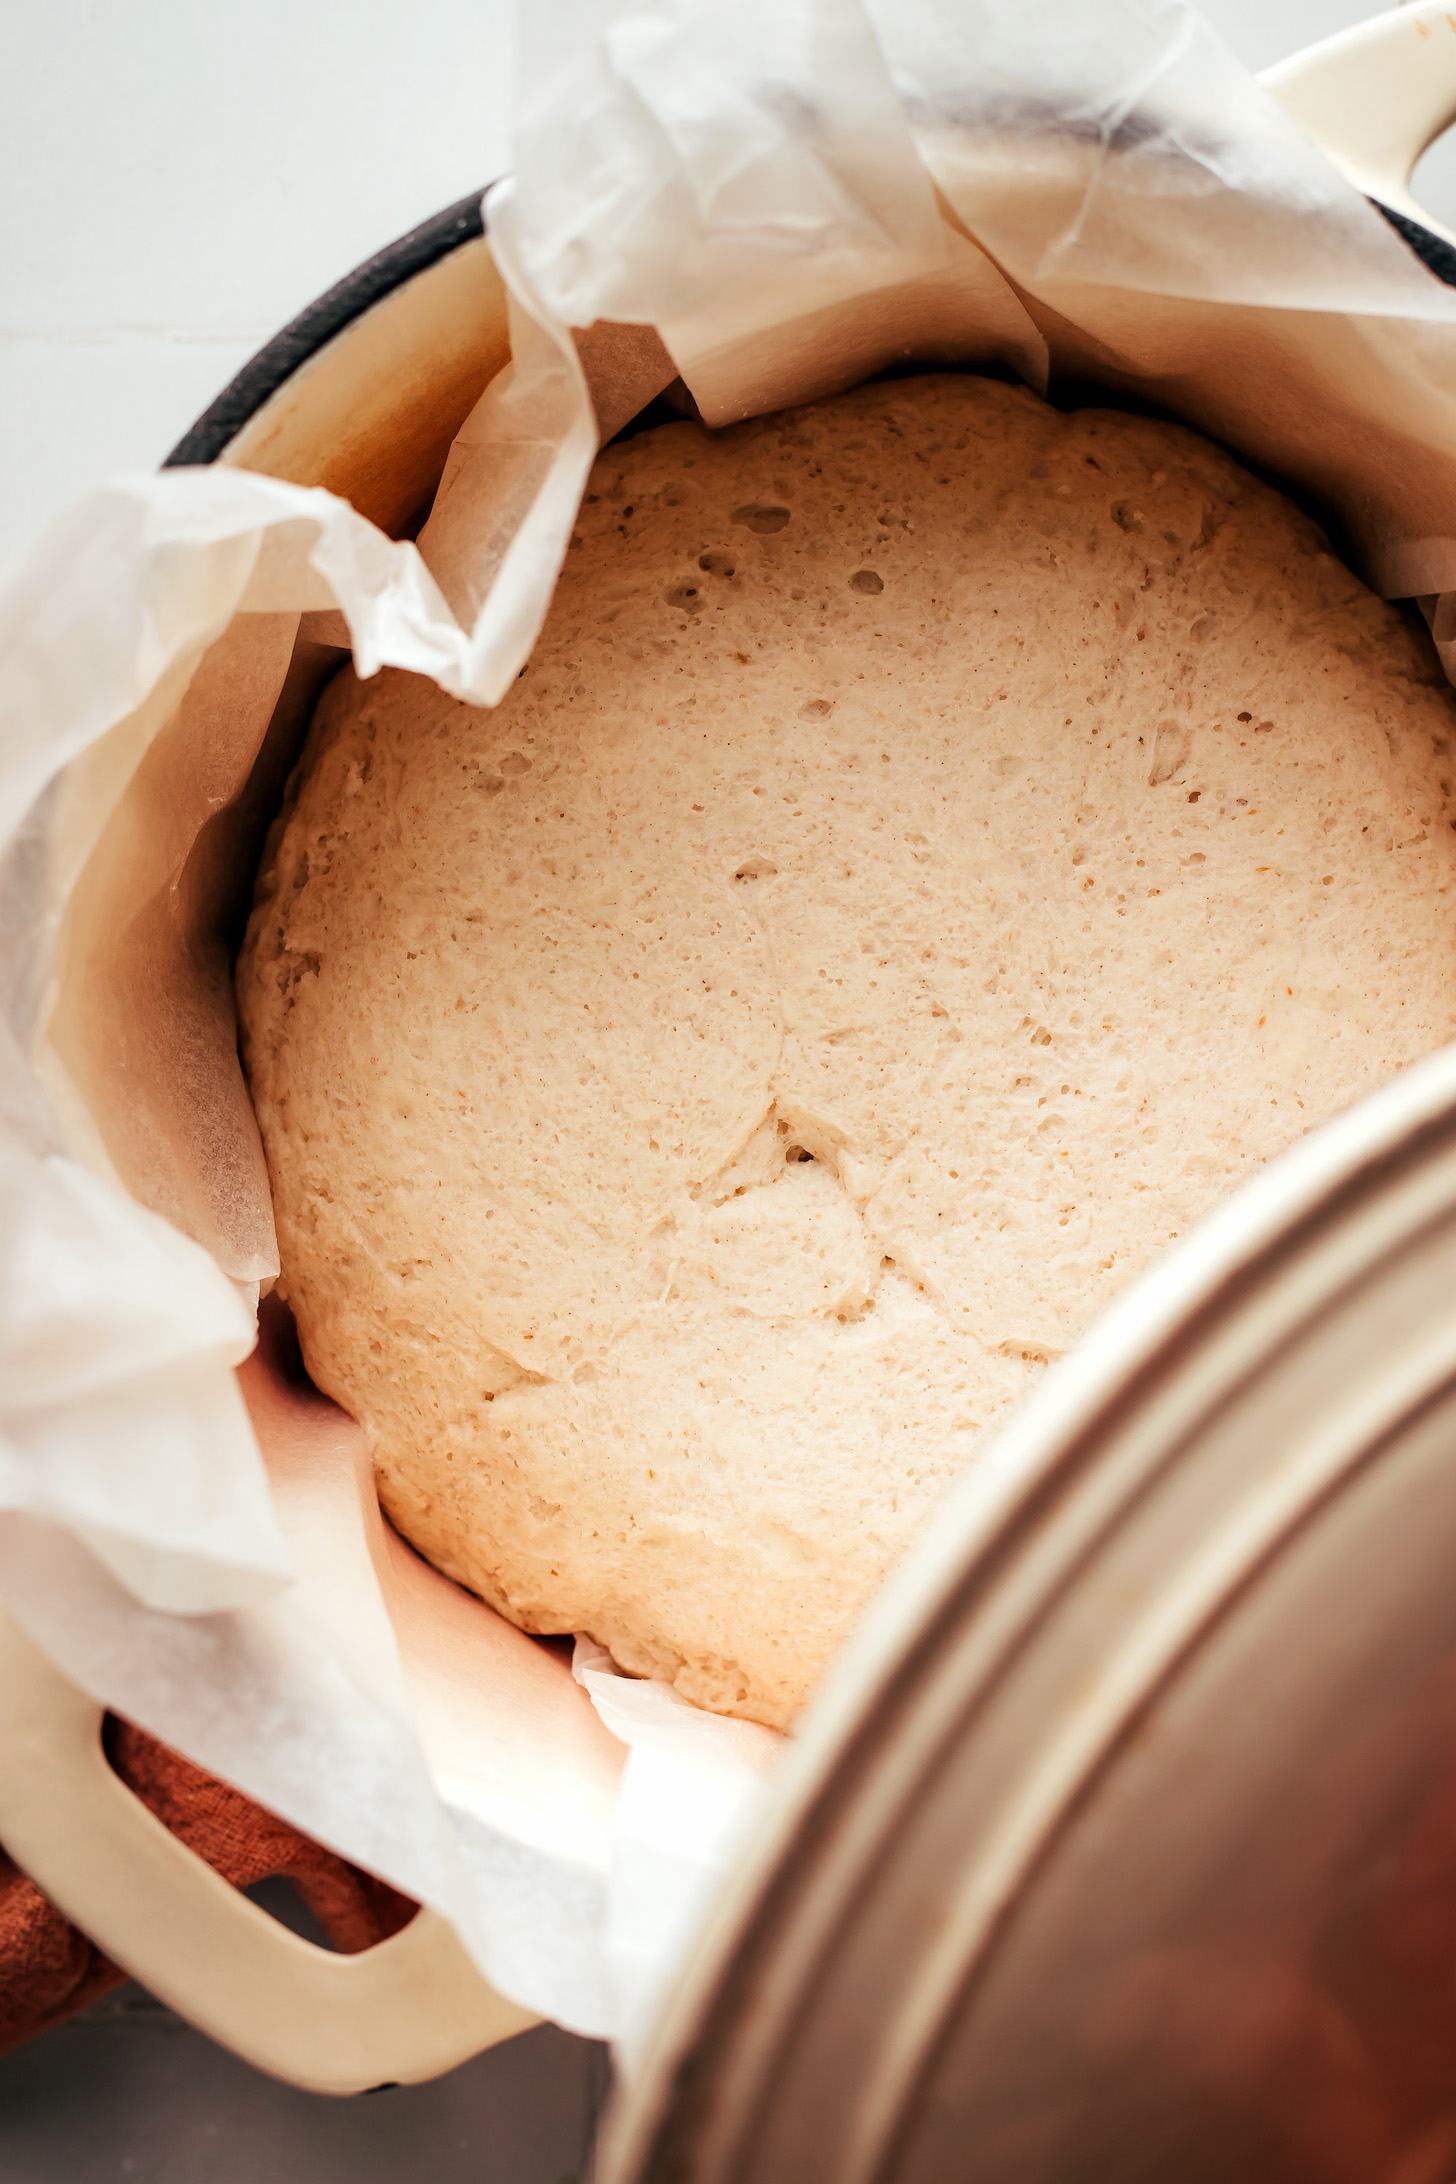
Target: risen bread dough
938 848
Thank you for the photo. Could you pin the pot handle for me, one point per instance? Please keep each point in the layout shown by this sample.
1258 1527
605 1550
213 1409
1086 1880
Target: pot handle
405 2010
1374 97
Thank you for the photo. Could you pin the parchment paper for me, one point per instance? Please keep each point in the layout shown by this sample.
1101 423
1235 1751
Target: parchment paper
773 202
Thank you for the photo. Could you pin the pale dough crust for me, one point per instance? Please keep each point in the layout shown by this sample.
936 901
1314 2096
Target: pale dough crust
1023 814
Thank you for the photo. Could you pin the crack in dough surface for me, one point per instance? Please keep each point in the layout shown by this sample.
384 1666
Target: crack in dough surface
701 1094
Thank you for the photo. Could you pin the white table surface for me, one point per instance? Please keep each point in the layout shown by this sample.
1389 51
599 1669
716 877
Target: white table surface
176 181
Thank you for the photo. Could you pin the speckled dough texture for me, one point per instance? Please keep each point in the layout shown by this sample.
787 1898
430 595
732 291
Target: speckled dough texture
938 848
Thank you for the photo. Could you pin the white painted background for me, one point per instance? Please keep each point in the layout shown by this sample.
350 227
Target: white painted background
179 177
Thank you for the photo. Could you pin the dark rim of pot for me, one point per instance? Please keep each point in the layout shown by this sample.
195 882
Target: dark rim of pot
316 326
1434 252
426 245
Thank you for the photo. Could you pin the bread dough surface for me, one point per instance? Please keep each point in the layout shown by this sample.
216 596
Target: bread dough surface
939 846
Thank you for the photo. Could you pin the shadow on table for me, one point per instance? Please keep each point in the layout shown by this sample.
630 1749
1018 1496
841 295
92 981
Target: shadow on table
129 2094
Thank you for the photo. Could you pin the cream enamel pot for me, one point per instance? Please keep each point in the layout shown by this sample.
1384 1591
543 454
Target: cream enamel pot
1114 1847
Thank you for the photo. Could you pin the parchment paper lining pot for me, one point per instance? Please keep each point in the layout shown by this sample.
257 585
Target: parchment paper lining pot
168 1600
